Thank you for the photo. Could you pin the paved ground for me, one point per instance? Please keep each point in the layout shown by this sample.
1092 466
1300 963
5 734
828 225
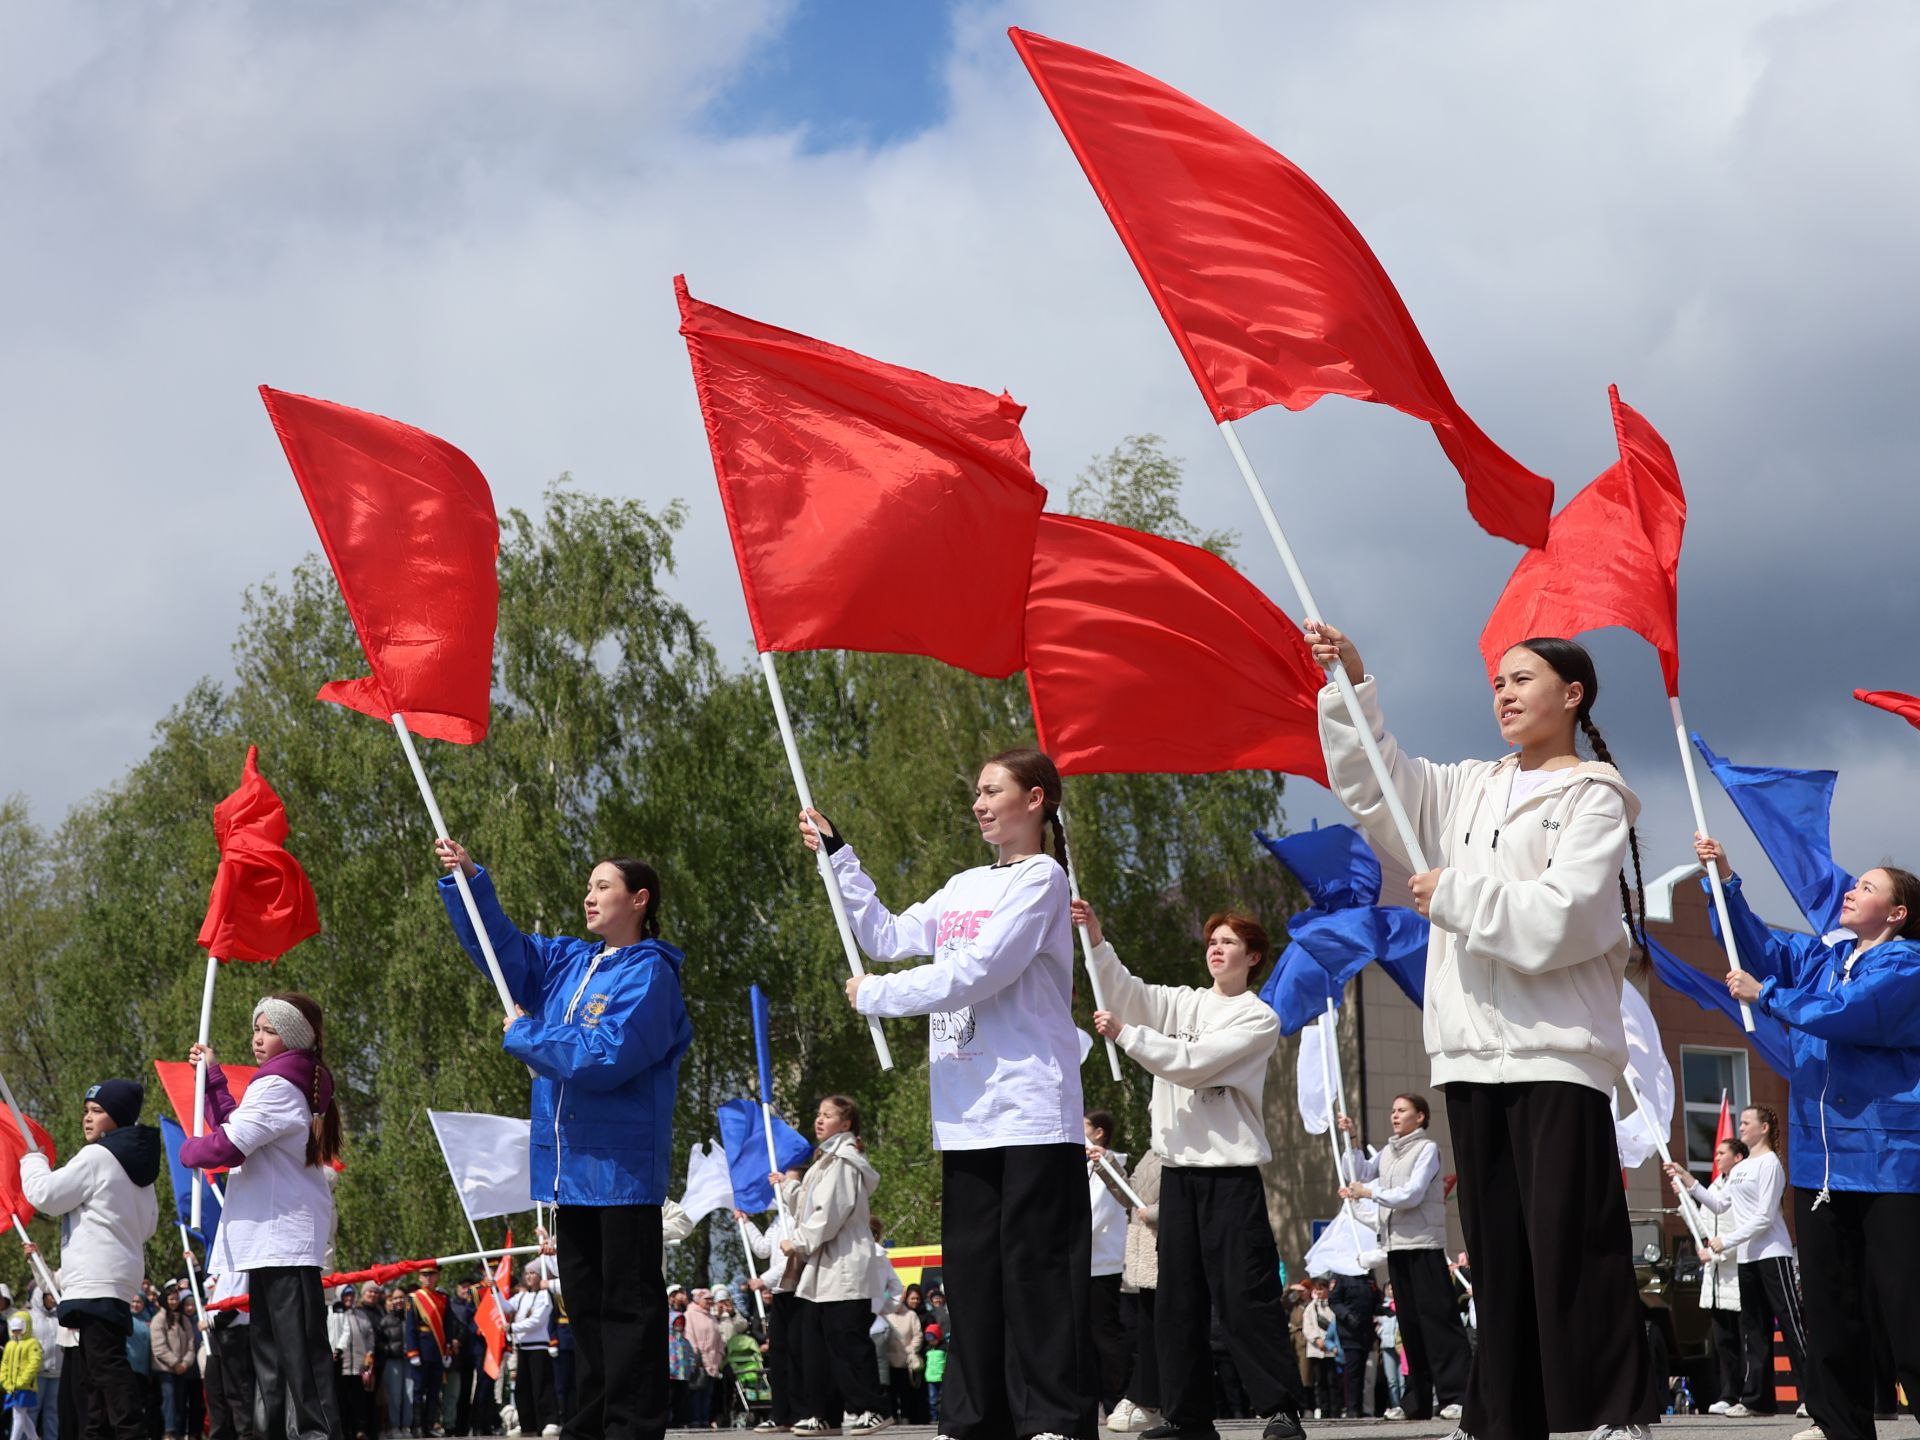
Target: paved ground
1673 1427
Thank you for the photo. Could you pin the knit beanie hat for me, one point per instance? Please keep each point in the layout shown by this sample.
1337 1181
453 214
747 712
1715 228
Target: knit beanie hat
287 1022
121 1099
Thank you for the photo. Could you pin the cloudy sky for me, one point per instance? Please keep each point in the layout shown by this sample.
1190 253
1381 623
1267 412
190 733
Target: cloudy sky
468 216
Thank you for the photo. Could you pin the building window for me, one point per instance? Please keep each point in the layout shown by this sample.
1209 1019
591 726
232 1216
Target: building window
1706 1075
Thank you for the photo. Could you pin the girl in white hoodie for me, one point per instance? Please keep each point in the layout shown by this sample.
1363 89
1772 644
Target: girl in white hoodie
832 1252
1004 1083
1523 1025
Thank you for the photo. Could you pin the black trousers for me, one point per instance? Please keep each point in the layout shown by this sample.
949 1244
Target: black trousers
533 1393
230 1383
617 1303
1111 1343
108 1398
1143 1388
1727 1351
1326 1386
786 1371
461 1378
843 1370
1852 1239
292 1363
1356 1343
1017 1250
1562 1342
1438 1356
1769 1292
1217 1254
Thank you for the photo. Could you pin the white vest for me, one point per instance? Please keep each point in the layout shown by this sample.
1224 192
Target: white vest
1423 1224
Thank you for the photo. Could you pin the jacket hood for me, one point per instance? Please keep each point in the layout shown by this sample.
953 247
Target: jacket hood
642 949
137 1148
844 1147
1598 771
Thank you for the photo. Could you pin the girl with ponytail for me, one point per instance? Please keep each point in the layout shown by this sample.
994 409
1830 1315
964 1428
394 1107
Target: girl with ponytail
1533 927
278 1219
1005 1091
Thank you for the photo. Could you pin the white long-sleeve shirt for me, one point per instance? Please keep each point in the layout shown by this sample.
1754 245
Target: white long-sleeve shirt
532 1314
1004 1058
1754 1189
279 1209
1208 1056
1109 1220
766 1245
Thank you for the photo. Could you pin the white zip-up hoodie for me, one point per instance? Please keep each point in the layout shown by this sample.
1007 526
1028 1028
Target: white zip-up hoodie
1529 947
107 1220
1004 1055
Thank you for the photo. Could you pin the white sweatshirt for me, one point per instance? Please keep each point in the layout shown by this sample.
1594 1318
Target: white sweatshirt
532 1312
766 1245
1208 1056
1004 1057
1109 1220
1753 1192
106 1221
1529 946
279 1209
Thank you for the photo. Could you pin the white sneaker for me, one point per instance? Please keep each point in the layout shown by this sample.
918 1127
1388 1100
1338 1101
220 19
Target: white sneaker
814 1425
1801 1412
549 1431
1117 1418
1449 1412
1736 1411
1394 1413
868 1423
1719 1407
1621 1432
1812 1432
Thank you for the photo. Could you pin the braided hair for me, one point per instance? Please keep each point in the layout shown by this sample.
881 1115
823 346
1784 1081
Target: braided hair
1033 769
323 1135
1571 662
637 875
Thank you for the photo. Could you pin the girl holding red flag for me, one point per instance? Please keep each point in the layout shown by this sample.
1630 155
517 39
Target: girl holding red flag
602 1025
284 1135
1523 1026
1005 1092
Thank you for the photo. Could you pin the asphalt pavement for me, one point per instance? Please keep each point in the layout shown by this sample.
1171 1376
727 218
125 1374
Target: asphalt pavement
1671 1427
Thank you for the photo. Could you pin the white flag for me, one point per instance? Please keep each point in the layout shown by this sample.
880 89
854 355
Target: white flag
1316 1096
709 1186
490 1160
1346 1247
1647 1064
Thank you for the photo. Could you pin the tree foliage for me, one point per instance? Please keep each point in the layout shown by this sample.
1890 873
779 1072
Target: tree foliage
616 730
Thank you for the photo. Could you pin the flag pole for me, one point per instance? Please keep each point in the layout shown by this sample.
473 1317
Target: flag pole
1336 1106
1666 1158
200 1078
827 877
1401 822
33 1252
1113 1171
193 1270
1713 871
459 873
759 1295
1086 947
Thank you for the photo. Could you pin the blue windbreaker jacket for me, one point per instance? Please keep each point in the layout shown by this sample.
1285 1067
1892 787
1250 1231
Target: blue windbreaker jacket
604 1034
1853 1108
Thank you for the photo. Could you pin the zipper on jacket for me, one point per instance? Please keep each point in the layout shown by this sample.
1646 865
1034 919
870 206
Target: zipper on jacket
560 1086
1826 1078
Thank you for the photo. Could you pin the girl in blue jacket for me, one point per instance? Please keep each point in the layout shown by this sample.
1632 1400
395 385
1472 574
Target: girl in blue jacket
602 1025
1852 1013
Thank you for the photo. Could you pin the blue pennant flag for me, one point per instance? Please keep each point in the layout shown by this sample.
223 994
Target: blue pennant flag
744 1136
1788 812
1769 1035
174 1137
1334 863
763 1044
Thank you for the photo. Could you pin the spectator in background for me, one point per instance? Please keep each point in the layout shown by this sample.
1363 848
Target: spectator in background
1355 1303
20 1376
396 1368
1317 1323
140 1361
1387 1327
176 1348
46 1329
466 1358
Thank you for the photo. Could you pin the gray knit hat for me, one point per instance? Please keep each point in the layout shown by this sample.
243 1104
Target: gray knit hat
287 1022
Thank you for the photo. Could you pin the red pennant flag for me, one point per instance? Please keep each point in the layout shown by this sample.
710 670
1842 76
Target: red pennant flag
1147 655
1612 557
1272 295
1721 1133
487 1318
1907 707
176 1080
262 903
13 1202
408 525
871 507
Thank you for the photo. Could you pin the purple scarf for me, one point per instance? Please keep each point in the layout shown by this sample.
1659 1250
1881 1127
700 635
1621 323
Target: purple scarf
215 1150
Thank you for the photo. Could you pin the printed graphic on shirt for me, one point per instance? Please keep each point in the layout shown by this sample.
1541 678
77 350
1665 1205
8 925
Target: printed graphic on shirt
1211 1092
596 1007
955 1028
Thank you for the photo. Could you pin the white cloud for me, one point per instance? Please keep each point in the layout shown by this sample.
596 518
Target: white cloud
467 217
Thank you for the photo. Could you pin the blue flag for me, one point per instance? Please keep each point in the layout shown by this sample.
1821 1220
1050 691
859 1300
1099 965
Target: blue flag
1334 863
1769 1035
1788 812
174 1137
763 1045
743 1134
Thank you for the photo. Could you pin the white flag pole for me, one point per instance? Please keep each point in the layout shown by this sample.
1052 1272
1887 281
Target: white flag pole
200 1077
6 1093
827 877
1402 823
1086 947
1713 871
193 1270
1336 1103
459 873
33 1253
1113 1172
1666 1158
483 1255
759 1295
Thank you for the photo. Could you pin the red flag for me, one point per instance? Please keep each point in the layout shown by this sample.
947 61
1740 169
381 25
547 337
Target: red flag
1721 1132
1144 654
12 1201
487 1318
1272 295
407 522
871 507
262 903
1612 557
1907 707
176 1080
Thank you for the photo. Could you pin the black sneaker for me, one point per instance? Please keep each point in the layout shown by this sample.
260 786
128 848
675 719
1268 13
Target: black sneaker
1167 1430
1284 1426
